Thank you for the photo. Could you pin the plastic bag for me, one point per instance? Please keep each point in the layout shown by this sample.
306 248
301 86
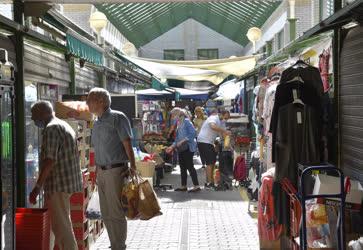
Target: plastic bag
93 211
148 206
130 198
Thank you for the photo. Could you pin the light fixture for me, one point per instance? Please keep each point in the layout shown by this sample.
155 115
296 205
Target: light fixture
98 21
292 9
350 25
129 49
254 34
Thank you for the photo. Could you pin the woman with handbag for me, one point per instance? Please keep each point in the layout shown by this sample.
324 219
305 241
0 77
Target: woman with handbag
185 145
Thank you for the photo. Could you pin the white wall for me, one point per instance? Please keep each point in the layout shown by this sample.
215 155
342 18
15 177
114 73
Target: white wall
273 25
80 14
307 13
190 36
6 9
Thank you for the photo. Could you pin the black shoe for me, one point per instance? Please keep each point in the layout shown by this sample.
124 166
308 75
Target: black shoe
209 185
181 189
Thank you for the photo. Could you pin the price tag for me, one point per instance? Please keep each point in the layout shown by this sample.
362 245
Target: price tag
299 118
294 94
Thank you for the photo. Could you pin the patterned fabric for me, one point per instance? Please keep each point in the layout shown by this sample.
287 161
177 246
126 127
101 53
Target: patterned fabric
60 145
108 132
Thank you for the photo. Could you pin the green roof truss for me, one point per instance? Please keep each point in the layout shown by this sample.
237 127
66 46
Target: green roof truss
141 23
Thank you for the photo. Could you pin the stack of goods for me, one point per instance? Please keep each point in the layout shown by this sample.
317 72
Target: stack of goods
73 109
32 228
86 231
152 118
79 202
156 150
240 133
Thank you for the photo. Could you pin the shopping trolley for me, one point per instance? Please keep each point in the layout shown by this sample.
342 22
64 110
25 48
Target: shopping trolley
298 199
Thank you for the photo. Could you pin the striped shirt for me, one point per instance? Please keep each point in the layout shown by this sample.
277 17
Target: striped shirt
60 144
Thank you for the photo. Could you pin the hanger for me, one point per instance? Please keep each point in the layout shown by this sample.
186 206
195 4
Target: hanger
300 64
296 79
298 101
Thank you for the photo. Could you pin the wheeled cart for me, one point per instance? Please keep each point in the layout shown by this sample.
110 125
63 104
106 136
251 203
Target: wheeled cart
298 200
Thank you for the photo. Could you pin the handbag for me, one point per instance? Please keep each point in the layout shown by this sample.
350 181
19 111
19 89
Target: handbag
183 147
148 205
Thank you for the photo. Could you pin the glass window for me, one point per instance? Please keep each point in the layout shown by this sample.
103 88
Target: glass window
174 54
280 40
33 135
32 144
206 54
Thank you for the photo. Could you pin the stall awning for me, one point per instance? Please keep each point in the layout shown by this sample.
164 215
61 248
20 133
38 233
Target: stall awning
214 71
153 94
236 66
84 50
229 90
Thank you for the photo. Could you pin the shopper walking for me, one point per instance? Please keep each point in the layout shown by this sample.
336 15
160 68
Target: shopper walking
186 145
199 118
111 139
60 173
211 129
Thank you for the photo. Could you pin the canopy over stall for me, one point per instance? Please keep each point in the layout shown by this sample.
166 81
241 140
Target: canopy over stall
152 94
228 90
214 71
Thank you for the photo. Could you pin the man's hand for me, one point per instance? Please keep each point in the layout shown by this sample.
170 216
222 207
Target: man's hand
226 133
34 194
133 172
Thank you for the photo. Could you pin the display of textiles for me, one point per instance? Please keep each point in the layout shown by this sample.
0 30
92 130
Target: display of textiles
296 128
268 226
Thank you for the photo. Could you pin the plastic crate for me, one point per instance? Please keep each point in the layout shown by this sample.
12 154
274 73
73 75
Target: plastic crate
81 232
78 216
32 229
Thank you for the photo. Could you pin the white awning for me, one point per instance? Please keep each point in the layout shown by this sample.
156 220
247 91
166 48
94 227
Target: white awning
214 71
229 90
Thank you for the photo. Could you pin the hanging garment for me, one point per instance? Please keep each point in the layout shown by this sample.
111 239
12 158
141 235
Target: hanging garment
284 95
268 226
324 59
297 140
240 168
268 106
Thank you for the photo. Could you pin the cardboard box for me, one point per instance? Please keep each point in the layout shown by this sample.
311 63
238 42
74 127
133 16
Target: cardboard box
65 110
325 184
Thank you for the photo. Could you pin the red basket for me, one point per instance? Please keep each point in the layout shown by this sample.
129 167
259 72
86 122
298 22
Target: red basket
92 158
242 140
32 229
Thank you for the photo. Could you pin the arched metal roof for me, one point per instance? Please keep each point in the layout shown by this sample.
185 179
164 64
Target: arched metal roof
141 23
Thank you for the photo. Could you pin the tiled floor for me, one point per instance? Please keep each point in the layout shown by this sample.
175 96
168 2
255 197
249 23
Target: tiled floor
204 220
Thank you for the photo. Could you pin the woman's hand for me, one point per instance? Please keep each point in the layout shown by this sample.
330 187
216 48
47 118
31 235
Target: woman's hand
169 150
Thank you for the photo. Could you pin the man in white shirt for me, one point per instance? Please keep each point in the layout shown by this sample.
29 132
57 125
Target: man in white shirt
211 129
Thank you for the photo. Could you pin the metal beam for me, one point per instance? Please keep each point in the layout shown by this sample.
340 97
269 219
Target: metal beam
20 106
138 1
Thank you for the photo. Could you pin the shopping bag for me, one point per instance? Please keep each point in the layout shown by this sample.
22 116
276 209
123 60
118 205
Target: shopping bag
93 211
130 198
148 202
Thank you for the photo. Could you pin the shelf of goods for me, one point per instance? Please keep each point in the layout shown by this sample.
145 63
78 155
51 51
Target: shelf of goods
152 117
240 132
86 231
